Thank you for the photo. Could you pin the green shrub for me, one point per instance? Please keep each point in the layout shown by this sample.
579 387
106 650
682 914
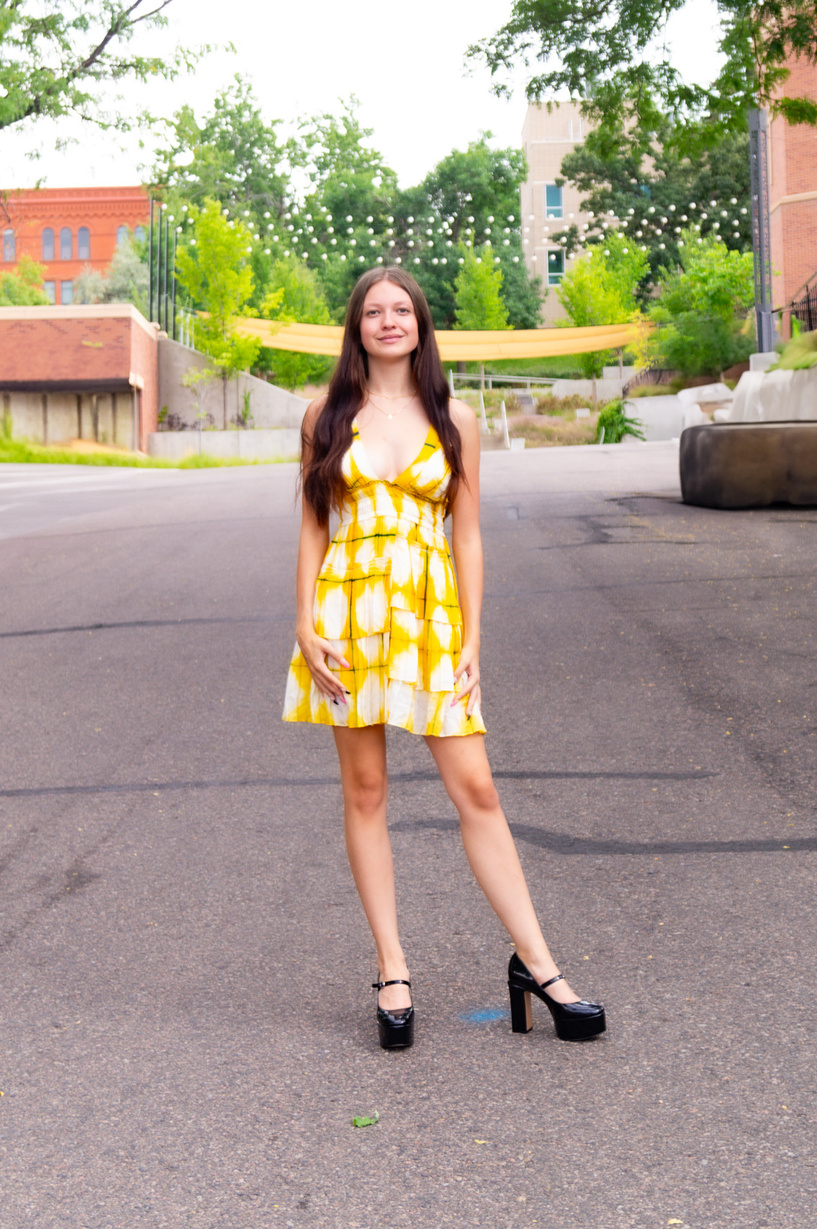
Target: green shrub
799 354
613 424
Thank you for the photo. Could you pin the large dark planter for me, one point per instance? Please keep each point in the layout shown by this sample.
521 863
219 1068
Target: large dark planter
749 465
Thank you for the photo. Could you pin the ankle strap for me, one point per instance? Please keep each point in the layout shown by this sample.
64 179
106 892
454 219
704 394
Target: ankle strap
398 981
558 977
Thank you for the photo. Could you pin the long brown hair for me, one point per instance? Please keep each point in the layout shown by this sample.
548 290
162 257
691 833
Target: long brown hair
321 474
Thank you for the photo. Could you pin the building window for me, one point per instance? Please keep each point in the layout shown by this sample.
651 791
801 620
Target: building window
83 243
121 235
9 245
556 267
50 291
553 201
66 293
48 244
66 244
139 234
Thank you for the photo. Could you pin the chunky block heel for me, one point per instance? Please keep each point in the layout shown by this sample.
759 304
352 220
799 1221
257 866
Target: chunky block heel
521 1015
573 1021
395 1028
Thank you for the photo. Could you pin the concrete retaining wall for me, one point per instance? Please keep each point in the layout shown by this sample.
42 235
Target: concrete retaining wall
775 396
276 444
606 388
661 418
55 417
270 406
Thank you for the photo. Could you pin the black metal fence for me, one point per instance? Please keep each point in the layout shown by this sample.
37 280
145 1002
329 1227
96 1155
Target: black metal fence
805 308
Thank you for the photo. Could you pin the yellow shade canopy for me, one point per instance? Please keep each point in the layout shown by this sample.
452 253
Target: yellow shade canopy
455 345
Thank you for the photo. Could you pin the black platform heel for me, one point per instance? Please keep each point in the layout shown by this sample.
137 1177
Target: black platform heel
574 1021
396 1028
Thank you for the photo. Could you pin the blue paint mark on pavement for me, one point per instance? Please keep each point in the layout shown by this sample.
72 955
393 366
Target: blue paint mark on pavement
485 1015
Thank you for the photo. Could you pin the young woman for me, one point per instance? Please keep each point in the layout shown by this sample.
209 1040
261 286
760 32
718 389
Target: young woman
387 636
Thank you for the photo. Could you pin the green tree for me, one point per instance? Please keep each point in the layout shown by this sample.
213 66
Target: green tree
601 289
232 156
346 217
478 293
603 53
471 196
636 181
25 287
125 281
479 302
703 310
291 291
214 269
58 59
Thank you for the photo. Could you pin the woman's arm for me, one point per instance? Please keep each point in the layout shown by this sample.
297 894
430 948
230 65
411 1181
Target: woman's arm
466 542
312 546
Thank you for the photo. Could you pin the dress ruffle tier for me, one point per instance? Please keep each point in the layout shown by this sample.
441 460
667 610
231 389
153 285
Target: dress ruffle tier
386 598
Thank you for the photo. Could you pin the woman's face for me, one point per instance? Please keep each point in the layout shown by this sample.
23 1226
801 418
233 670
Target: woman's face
388 326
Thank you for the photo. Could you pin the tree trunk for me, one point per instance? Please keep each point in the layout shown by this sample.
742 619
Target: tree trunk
224 398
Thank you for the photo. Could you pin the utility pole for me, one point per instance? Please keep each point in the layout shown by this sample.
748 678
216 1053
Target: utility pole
761 228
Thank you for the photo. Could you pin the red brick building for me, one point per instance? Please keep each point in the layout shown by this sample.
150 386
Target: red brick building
83 372
793 195
67 229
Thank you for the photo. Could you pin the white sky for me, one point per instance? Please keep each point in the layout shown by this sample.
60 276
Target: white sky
404 62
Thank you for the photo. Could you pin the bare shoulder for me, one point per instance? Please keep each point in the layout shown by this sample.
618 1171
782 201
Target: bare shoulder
464 419
313 411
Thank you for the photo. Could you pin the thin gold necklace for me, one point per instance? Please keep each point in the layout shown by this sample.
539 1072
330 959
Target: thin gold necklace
388 398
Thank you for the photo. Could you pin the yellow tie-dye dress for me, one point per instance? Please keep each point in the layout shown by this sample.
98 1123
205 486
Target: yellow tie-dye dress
386 598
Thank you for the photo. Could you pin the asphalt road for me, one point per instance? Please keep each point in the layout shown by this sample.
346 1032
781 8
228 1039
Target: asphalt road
188 1028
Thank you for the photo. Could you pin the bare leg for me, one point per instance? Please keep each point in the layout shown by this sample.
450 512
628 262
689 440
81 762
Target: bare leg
362 754
491 852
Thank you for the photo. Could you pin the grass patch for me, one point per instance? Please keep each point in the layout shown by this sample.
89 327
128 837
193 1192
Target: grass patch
492 399
23 452
651 390
559 367
548 404
554 434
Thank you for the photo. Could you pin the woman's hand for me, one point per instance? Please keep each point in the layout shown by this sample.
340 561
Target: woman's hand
315 651
468 670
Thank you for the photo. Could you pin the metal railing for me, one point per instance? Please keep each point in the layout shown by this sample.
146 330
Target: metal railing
461 377
804 308
650 375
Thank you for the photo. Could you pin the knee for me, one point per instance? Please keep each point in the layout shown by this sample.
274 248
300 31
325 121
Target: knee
366 793
478 794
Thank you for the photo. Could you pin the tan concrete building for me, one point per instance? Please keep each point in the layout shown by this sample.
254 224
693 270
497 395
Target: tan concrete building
547 135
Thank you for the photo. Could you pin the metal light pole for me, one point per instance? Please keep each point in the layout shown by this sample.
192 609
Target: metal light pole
159 286
761 228
172 329
151 278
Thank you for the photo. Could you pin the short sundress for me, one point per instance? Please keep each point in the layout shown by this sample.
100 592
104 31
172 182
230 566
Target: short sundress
386 597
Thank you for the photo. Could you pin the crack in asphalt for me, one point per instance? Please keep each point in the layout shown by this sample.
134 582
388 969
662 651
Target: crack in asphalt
132 623
158 787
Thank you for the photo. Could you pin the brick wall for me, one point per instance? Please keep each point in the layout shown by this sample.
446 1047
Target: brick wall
101 211
793 192
106 348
